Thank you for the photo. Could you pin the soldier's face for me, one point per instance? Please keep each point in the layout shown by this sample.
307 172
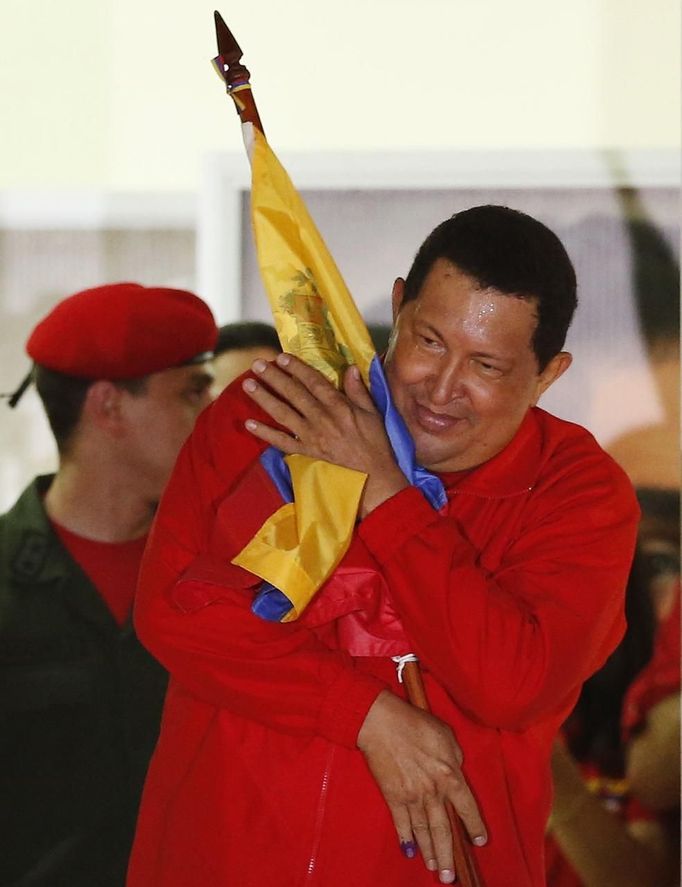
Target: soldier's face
159 420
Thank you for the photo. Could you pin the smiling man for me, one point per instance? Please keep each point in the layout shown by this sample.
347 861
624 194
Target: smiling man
462 369
289 754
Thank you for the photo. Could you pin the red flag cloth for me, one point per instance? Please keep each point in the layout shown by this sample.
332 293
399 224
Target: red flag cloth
510 599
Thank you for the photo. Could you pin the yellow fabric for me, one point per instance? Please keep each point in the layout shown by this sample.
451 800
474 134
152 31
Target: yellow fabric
316 319
297 548
313 312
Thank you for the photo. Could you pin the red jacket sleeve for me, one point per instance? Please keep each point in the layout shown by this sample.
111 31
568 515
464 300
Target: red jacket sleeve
513 640
193 607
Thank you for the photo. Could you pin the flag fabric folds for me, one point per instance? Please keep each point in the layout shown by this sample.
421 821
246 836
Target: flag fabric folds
299 546
313 310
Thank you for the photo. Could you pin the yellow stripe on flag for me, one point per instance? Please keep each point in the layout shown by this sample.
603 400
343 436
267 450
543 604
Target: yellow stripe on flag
315 315
298 547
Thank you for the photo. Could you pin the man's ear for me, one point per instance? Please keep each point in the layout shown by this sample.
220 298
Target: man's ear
397 295
556 367
103 406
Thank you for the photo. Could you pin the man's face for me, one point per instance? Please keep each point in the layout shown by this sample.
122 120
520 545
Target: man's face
159 420
461 368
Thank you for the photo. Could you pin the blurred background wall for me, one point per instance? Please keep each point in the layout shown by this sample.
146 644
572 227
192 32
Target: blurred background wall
121 159
119 94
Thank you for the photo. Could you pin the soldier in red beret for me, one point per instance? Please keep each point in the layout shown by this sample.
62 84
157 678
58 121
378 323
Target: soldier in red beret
123 371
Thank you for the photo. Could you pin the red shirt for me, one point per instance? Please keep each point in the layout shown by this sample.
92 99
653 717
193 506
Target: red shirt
112 567
511 598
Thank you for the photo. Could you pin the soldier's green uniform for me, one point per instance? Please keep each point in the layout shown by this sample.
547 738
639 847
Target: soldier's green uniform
80 703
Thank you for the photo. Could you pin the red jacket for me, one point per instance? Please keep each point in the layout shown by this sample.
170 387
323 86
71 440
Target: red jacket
511 599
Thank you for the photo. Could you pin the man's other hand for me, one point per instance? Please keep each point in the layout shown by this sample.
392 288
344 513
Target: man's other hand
416 763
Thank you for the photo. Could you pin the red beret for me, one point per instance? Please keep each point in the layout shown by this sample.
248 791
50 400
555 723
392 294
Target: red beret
123 331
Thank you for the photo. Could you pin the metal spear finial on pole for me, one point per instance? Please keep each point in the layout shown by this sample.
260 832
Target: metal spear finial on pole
236 76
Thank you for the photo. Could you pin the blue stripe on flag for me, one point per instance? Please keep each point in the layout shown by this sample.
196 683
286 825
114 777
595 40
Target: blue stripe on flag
271 603
273 462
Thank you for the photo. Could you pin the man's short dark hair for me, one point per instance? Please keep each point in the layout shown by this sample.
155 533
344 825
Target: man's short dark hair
63 397
246 334
514 253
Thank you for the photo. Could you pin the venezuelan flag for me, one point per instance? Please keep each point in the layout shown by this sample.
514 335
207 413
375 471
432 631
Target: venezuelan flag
299 546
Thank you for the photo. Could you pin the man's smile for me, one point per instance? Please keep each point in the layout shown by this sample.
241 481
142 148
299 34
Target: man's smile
433 422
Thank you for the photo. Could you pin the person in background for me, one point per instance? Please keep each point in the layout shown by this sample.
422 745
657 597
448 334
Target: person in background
650 454
288 753
615 818
241 342
659 540
122 371
238 345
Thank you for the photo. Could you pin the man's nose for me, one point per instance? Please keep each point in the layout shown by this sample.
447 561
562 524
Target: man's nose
447 383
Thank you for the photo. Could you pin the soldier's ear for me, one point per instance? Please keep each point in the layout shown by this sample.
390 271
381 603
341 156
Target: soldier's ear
102 406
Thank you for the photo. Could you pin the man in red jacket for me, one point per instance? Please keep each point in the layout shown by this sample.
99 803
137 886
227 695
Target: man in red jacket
288 754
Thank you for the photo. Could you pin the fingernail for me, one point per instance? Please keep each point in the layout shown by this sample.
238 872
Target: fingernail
480 840
431 865
259 365
249 385
283 359
251 425
446 876
409 849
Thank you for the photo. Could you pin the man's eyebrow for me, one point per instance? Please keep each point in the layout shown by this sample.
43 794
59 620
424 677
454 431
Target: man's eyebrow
503 358
507 358
429 326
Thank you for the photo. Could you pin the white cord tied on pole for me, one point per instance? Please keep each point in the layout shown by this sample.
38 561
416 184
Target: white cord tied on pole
401 662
